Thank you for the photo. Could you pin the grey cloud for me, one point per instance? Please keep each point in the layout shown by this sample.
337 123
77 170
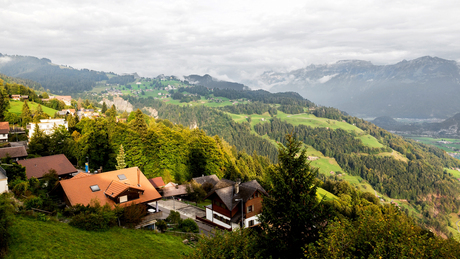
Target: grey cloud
234 41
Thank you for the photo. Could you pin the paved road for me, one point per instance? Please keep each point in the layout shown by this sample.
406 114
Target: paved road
186 211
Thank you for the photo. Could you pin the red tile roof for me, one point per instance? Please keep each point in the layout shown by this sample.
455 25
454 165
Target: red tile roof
78 191
157 182
37 167
13 152
4 127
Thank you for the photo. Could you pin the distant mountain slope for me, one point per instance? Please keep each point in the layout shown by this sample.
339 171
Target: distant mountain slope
447 128
60 80
208 81
421 88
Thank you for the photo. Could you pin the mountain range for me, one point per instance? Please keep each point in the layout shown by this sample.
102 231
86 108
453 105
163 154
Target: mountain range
425 87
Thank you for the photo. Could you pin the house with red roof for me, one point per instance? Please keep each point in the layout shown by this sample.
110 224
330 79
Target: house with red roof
121 187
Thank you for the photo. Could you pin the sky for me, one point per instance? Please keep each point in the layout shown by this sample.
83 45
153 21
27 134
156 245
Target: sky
234 41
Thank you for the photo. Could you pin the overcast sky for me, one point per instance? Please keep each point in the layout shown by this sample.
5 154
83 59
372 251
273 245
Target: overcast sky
235 41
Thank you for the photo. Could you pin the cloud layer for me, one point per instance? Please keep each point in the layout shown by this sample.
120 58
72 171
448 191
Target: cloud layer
232 41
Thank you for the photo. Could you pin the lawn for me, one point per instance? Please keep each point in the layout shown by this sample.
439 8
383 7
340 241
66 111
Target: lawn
396 155
320 193
32 238
16 107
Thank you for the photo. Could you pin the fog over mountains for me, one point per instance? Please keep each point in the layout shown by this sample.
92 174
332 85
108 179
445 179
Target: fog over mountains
421 88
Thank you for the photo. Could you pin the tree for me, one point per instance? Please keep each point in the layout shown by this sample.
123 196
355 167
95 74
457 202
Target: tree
121 159
104 107
292 188
26 115
39 143
4 102
138 123
195 192
45 95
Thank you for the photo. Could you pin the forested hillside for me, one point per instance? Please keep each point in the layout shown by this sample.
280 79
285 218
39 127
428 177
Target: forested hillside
58 80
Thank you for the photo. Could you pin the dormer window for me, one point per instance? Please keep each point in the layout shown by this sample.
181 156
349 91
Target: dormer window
121 177
95 188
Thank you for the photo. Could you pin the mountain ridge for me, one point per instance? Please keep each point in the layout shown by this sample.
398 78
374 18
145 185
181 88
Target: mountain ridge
368 90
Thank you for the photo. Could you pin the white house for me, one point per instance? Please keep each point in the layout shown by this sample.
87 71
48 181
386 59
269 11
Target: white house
47 126
3 181
4 131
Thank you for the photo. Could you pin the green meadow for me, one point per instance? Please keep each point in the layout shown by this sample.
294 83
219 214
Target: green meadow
32 238
16 107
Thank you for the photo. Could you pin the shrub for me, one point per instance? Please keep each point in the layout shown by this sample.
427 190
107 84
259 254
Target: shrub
189 225
133 214
161 225
93 217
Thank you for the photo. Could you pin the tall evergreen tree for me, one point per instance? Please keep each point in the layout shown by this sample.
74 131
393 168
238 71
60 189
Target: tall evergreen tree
138 123
121 159
4 102
292 215
26 115
104 107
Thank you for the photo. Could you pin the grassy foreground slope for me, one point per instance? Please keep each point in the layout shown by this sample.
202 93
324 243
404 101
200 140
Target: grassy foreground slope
32 238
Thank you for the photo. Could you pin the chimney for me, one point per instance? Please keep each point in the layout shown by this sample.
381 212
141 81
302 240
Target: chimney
237 186
138 178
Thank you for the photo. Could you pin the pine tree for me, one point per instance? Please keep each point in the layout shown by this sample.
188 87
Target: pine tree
292 215
104 107
121 159
4 102
26 114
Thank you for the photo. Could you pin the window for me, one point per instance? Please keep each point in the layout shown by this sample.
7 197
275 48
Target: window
256 194
251 223
121 177
123 198
95 188
250 208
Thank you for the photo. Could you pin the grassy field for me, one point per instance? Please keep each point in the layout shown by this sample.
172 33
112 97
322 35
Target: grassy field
320 193
454 173
396 155
313 121
16 107
370 141
37 239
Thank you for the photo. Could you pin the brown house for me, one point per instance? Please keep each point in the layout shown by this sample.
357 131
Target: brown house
234 204
124 187
14 152
37 167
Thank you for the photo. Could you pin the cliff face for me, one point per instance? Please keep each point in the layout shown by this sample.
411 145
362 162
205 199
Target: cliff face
120 104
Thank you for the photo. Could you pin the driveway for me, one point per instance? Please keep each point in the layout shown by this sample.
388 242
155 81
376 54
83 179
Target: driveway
186 211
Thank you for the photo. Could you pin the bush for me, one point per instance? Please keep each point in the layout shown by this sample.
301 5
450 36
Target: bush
161 225
189 225
93 217
133 214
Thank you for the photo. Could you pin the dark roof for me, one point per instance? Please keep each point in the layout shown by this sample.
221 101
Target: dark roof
174 191
227 194
207 179
14 152
37 167
4 127
157 182
2 173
